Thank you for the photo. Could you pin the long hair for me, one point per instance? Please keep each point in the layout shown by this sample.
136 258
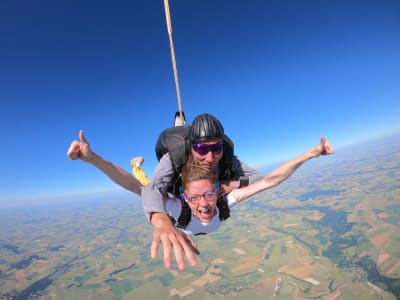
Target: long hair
192 171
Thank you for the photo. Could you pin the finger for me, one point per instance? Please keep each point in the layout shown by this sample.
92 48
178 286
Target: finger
73 150
193 245
179 257
167 255
72 156
154 249
326 146
186 247
329 149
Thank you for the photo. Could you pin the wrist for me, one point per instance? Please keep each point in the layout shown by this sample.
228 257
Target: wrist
92 157
243 181
159 219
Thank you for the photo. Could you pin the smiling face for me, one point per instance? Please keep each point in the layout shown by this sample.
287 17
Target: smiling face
200 190
201 196
208 153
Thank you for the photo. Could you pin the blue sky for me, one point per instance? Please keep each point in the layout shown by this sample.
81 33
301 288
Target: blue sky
278 74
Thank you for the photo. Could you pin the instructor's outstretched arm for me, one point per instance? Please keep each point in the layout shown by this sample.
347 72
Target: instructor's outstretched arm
81 150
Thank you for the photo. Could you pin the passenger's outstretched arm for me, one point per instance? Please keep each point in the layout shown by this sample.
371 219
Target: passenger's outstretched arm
81 150
173 241
283 171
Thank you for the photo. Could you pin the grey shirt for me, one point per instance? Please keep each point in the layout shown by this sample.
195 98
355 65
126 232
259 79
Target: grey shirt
156 191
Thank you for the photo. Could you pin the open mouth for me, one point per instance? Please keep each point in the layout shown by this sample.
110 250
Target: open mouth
204 213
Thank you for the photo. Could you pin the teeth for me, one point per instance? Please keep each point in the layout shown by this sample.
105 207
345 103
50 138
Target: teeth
204 211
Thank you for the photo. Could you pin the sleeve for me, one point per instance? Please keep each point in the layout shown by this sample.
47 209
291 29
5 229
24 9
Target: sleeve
242 169
173 207
230 200
155 192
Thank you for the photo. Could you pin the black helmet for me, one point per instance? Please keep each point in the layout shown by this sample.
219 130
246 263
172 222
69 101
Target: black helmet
205 127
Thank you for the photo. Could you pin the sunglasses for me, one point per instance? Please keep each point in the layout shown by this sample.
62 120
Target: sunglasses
203 149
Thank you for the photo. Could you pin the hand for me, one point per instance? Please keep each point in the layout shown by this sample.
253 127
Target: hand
326 147
228 185
80 149
323 148
166 234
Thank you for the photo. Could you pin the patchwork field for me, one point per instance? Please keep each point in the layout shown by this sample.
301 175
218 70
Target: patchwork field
329 232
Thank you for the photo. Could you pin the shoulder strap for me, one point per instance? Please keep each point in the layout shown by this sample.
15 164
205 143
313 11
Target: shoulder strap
185 216
226 163
224 211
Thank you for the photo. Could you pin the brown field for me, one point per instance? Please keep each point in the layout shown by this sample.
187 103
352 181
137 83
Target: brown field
380 240
52 295
206 279
149 275
263 232
336 294
94 281
316 217
247 263
312 281
301 251
214 270
107 269
21 279
39 270
218 261
301 271
383 215
242 241
181 292
239 251
86 249
270 281
394 268
105 289
266 285
361 206
188 276
382 257
290 225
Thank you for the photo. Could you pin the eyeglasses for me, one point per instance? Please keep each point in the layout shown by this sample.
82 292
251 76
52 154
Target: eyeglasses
203 149
208 196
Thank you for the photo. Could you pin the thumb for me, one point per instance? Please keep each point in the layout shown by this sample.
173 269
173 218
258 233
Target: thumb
82 137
